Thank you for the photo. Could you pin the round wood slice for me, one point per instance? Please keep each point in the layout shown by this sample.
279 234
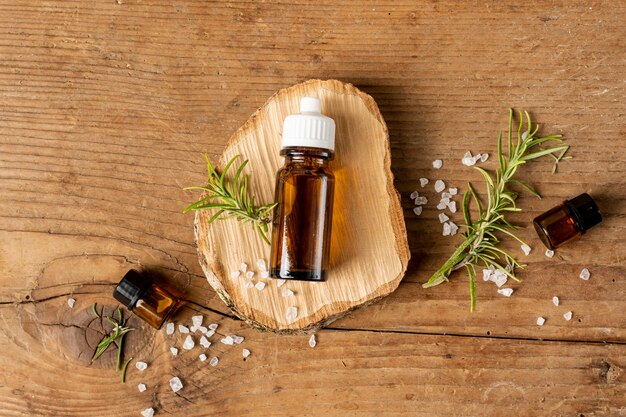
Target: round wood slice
369 249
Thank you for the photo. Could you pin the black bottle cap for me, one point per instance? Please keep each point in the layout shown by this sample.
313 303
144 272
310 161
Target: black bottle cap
131 288
585 211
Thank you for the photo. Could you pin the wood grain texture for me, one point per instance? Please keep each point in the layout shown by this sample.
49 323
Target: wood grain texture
106 109
368 250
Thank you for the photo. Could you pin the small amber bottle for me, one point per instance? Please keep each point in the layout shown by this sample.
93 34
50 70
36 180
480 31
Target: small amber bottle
304 192
567 221
147 300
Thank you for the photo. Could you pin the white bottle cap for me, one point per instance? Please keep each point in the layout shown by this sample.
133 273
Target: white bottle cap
309 128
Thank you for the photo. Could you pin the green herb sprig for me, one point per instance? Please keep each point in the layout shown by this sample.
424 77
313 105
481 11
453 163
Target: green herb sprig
114 337
231 198
480 246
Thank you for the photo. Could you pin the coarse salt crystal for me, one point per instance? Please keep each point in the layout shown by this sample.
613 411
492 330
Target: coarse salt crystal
204 342
555 300
500 279
142 366
71 302
260 263
235 274
245 353
202 357
312 341
445 200
280 282
292 313
468 159
437 163
228 340
201 329
484 157
526 249
265 274
446 229
540 321
487 274
443 218
549 253
424 182
176 384
477 157
441 205
238 339
414 195
446 195
213 326
209 333
453 228
417 210
507 292
174 351
453 191
141 387
524 135
183 329
260 286
421 200
585 274
148 412
452 206
188 343
214 361
440 186
249 285
287 292
243 267
169 328
567 316
249 274
197 321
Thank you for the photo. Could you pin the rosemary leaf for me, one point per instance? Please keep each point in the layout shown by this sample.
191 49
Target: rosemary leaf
124 369
479 247
95 312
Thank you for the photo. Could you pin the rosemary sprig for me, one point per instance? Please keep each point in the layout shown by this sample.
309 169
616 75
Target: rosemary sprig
480 246
231 198
114 337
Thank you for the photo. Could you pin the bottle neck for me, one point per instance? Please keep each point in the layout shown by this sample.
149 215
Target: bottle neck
312 156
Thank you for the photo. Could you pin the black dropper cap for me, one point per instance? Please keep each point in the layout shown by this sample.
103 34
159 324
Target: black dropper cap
585 211
131 288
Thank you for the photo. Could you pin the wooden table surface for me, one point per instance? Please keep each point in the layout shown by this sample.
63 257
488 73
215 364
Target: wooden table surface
106 108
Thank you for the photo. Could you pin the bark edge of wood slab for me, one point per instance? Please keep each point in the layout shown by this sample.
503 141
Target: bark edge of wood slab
369 248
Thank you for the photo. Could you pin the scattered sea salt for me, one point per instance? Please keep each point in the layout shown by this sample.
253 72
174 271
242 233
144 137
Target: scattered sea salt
169 328
214 361
280 282
312 341
243 267
141 387
446 229
555 300
437 163
446 195
540 321
213 326
174 351
148 412
249 274
421 200
549 253
197 321
524 135
507 292
235 274
443 218
414 195
585 274
453 191
484 157
487 274
452 206
567 316
204 342
260 263
423 182
292 313
142 366
445 200
287 292
238 339
440 186
245 353
260 286
176 384
188 343
499 279
441 205
265 274
201 329
209 333
417 210
453 228
71 302
468 159
526 249
249 285
202 357
228 340
183 329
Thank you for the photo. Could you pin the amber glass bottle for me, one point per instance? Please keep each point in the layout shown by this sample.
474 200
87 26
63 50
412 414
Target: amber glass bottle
567 221
144 298
304 192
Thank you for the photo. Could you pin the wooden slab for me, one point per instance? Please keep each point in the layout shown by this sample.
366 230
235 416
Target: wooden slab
369 250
